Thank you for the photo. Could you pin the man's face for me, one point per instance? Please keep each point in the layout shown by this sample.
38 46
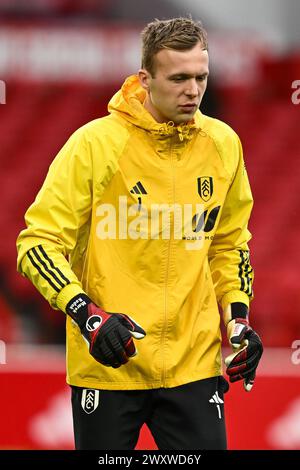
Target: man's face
176 90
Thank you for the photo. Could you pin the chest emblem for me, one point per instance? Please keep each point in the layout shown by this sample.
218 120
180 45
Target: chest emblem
205 187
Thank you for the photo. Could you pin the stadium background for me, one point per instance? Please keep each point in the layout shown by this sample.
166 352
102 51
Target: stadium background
60 62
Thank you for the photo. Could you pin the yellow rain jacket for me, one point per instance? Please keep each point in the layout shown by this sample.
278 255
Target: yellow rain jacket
150 220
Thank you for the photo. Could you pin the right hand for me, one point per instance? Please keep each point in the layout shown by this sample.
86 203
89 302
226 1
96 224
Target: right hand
110 336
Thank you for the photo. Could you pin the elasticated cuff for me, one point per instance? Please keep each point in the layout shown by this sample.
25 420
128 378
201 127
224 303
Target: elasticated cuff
67 294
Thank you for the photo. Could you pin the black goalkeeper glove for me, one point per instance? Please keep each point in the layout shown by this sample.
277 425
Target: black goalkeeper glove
248 349
109 335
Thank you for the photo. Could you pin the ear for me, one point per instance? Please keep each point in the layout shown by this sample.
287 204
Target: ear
144 78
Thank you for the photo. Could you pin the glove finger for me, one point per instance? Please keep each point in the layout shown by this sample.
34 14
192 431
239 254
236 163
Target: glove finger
130 348
231 371
242 374
104 362
251 349
135 329
126 341
108 360
235 378
116 346
243 364
109 354
236 356
242 370
249 382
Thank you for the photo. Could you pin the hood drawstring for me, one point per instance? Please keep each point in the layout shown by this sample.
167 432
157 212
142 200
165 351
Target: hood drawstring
184 132
167 128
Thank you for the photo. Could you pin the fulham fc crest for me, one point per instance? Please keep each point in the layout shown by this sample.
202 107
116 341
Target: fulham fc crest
89 400
205 187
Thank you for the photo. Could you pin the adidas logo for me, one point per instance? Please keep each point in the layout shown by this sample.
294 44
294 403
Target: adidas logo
217 400
138 189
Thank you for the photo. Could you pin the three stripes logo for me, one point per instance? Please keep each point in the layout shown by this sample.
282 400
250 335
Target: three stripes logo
89 400
218 401
46 268
245 272
205 187
139 189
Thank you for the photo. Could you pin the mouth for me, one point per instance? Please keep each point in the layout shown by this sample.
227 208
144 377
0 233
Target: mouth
189 107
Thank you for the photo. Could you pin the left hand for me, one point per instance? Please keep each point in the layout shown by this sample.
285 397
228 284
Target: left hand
248 349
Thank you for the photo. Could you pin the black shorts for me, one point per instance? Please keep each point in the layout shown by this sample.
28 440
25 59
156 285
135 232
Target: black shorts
188 417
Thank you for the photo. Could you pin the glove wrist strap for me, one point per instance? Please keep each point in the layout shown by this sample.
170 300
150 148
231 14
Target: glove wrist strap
239 310
77 308
234 311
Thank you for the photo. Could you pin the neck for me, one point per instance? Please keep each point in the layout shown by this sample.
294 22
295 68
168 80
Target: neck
154 111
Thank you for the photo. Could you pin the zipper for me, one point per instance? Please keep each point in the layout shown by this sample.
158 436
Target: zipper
163 340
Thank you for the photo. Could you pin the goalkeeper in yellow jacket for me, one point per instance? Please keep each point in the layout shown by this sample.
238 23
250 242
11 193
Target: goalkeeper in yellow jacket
138 232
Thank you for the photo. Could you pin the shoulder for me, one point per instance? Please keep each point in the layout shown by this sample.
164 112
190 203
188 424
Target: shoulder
100 142
101 129
219 131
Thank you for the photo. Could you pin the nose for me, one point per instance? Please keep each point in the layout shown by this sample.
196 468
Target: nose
192 89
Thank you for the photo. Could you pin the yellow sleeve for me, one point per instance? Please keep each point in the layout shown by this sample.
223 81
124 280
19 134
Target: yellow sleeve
53 222
230 266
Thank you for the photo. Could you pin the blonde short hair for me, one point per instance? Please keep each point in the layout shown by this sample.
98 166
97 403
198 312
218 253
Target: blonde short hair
176 33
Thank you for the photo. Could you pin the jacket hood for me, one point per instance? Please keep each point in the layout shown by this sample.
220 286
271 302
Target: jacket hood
128 102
